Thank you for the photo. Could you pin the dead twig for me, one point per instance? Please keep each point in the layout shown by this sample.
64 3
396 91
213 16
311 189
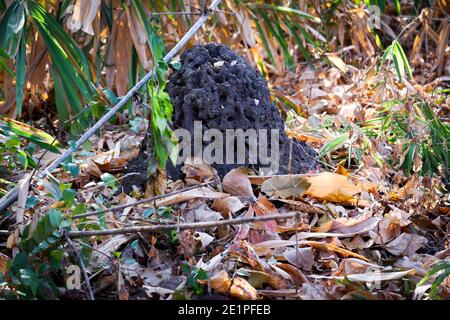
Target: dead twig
83 268
93 213
180 226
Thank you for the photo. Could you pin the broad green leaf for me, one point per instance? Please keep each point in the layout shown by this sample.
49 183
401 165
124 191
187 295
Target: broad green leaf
34 135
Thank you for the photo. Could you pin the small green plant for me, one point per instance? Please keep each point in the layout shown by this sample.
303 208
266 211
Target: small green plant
441 271
396 54
41 255
194 274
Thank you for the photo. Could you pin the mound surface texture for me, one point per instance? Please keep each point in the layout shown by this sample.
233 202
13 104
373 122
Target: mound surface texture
223 91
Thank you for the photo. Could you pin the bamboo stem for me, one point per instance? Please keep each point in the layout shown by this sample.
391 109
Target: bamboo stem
12 195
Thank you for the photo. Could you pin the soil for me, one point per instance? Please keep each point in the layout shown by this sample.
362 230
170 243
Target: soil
221 89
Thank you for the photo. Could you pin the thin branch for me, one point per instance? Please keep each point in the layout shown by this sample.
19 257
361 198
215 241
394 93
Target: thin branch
123 206
11 196
83 268
181 226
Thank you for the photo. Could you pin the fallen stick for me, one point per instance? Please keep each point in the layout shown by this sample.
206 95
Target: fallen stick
83 268
135 203
178 226
12 195
181 226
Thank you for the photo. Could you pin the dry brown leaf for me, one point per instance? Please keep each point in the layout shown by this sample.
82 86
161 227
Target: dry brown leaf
220 282
201 213
337 61
227 206
139 38
285 186
406 244
263 207
258 279
121 47
362 224
297 275
371 276
201 193
334 248
302 258
122 289
241 289
328 186
237 183
196 171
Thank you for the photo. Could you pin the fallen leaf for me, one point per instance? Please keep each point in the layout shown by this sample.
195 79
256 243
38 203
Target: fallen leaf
406 244
201 213
237 183
204 238
303 258
337 61
241 289
370 276
285 186
333 187
227 206
202 193
220 282
263 207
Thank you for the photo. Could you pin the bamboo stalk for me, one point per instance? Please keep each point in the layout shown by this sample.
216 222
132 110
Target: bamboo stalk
12 195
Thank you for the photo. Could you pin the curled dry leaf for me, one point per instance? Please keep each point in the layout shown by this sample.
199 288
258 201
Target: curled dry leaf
200 193
201 213
258 279
227 206
263 207
241 289
406 244
204 238
285 186
237 183
352 226
334 248
196 171
303 258
221 282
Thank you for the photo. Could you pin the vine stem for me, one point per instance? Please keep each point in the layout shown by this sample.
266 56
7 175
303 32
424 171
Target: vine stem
12 195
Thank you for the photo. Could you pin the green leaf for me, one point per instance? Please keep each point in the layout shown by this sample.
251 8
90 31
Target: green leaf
68 196
108 179
20 72
55 217
334 144
11 28
34 135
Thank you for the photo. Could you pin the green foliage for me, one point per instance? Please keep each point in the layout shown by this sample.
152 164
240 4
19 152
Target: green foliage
162 144
435 149
41 254
10 127
193 275
396 54
441 271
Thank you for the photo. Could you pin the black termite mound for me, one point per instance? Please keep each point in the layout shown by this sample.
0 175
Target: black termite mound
222 90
